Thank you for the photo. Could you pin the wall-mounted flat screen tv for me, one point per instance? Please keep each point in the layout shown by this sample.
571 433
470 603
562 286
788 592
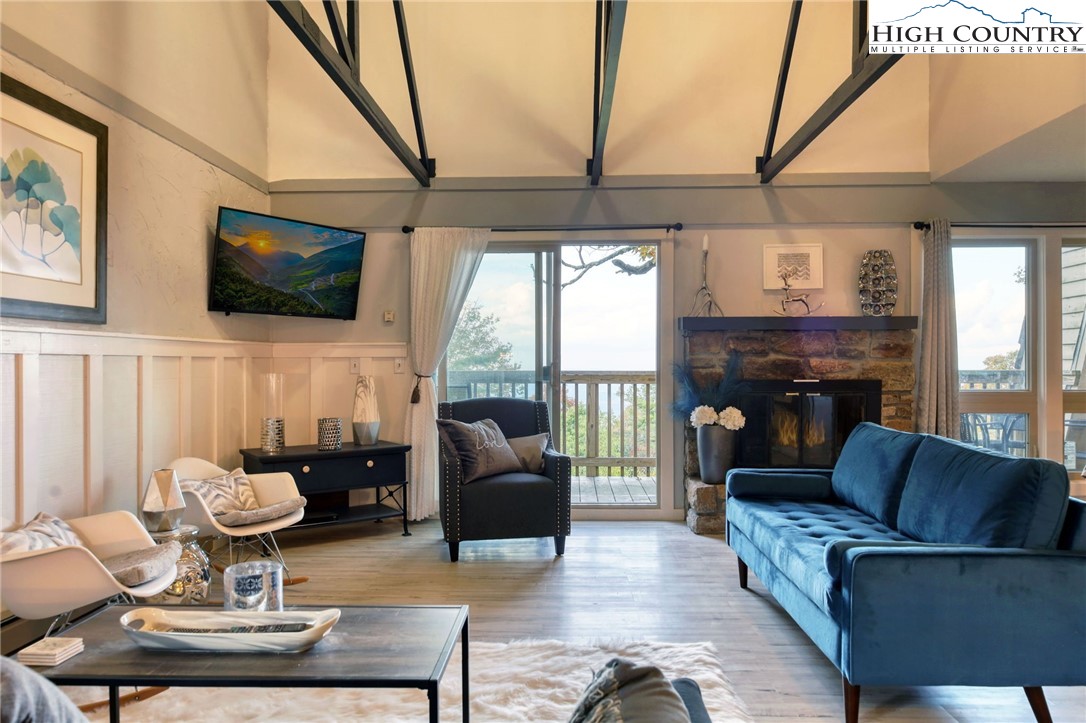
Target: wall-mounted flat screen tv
269 265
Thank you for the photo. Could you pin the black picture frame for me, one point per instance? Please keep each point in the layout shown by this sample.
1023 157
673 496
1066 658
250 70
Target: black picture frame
45 305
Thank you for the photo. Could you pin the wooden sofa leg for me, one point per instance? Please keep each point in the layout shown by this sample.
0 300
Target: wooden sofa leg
454 551
742 574
852 700
1035 694
559 544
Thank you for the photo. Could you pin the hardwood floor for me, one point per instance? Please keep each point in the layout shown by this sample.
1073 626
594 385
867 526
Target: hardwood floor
641 580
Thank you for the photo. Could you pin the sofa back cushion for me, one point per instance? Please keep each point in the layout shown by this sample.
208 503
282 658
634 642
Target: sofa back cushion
965 495
871 471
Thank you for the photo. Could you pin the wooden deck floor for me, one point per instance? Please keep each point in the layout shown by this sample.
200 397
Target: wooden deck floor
613 490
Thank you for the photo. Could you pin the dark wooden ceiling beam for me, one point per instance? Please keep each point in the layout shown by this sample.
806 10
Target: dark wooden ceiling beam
301 23
610 20
866 70
782 81
339 34
412 89
353 37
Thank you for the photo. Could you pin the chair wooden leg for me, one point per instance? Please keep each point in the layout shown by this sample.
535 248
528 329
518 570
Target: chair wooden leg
1035 694
559 544
454 551
742 574
852 700
137 696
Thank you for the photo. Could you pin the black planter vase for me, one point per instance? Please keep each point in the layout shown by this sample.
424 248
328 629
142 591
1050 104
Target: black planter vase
716 452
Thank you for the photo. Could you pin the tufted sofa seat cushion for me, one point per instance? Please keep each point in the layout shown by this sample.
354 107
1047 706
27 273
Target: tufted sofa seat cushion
794 534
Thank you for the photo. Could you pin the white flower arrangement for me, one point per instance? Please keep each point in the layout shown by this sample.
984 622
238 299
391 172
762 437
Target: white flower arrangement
730 418
703 415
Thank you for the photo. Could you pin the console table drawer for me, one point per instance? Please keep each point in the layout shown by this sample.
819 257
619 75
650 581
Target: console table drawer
325 475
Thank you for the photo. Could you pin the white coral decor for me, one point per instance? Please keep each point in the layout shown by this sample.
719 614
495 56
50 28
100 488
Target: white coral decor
732 418
703 415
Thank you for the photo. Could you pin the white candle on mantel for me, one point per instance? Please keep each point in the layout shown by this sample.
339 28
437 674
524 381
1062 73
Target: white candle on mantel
705 242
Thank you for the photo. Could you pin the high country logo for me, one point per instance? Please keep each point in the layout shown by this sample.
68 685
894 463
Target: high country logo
977 26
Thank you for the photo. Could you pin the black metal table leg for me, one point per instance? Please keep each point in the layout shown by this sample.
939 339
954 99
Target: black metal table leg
114 704
464 670
431 693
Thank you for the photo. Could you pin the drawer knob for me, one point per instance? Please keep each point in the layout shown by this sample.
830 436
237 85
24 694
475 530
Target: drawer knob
369 462
305 468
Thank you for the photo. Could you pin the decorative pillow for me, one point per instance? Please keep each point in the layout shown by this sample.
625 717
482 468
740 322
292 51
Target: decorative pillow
229 493
140 566
481 446
626 692
529 451
41 532
260 514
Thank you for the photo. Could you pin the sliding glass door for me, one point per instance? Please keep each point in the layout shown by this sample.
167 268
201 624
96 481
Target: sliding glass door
574 325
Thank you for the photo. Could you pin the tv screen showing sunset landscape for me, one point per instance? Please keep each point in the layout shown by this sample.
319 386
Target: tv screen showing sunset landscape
269 265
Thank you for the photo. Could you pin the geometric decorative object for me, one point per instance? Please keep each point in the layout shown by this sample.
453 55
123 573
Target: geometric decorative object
272 428
878 283
256 586
162 505
366 419
193 568
329 434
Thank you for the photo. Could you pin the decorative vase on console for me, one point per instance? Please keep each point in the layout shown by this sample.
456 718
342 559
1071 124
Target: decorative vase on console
366 419
716 440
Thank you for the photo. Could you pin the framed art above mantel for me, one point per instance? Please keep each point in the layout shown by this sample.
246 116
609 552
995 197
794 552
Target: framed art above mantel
800 264
54 181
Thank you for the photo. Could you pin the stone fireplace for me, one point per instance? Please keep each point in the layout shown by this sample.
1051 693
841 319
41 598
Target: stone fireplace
782 349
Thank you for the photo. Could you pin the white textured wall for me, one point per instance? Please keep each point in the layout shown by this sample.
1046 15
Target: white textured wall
201 66
162 204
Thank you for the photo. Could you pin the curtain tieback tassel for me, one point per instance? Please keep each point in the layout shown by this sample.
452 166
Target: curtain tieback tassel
415 396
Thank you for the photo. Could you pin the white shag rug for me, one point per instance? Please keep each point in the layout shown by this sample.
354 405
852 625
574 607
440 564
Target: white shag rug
525 680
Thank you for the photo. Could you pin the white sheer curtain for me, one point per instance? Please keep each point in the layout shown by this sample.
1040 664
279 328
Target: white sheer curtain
443 265
937 394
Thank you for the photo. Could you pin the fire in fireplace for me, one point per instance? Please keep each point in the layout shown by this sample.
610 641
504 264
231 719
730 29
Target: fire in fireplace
801 422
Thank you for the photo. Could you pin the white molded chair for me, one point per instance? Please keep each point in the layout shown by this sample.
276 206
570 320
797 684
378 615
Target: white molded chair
268 489
45 583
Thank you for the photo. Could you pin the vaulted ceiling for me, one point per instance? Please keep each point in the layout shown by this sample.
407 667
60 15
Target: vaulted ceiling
505 89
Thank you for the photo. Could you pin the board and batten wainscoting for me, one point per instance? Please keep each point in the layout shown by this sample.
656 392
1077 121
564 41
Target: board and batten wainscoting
86 416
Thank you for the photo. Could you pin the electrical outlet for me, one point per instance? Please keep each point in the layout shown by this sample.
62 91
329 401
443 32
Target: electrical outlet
355 367
390 317
398 366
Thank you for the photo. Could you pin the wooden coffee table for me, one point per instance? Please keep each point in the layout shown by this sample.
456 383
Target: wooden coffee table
370 647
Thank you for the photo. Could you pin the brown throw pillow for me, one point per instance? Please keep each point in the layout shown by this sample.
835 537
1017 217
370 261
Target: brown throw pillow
481 446
529 451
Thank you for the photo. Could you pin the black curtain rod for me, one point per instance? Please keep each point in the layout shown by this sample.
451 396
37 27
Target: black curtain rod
924 225
528 229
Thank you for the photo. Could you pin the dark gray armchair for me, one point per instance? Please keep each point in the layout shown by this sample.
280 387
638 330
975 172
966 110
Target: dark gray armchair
511 504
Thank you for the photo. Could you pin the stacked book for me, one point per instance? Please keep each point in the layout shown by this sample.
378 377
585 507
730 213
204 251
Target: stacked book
50 651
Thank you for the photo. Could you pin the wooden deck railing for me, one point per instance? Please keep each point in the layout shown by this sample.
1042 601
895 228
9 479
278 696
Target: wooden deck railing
606 421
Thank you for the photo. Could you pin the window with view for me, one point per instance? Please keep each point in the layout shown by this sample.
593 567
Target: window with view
991 294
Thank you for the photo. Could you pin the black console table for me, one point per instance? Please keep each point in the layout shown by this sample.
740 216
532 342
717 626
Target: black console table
326 478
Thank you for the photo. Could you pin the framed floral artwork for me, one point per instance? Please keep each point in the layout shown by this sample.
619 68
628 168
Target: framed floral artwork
801 264
53 207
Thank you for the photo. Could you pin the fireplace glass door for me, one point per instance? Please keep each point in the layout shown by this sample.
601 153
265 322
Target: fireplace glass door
787 427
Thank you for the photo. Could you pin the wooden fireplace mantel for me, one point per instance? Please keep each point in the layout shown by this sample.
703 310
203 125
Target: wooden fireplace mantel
689 324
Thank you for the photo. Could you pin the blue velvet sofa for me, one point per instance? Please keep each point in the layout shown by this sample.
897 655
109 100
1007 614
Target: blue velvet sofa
918 560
